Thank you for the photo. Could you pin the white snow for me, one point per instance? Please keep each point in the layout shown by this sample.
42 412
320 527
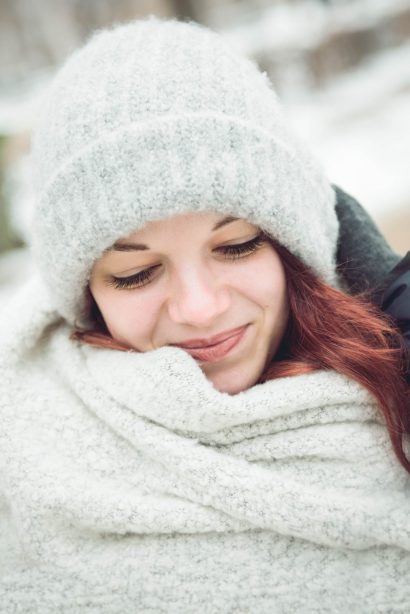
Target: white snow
18 107
303 25
359 127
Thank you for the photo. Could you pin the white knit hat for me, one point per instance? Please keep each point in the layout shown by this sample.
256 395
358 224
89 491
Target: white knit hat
160 117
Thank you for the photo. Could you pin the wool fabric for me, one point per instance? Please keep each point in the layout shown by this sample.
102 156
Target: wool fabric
159 117
130 484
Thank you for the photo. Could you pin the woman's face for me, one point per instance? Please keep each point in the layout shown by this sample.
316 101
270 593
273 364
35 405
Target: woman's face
189 278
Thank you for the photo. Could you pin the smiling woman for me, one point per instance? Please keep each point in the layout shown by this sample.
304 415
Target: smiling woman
196 415
197 281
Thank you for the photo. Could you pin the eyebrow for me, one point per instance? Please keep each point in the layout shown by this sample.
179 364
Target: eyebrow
133 247
225 220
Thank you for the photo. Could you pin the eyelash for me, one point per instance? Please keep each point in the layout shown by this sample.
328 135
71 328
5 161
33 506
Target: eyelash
230 252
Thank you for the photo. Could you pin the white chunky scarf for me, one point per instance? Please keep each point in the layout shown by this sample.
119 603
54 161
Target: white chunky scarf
129 484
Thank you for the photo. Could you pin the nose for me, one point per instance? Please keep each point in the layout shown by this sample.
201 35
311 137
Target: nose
198 296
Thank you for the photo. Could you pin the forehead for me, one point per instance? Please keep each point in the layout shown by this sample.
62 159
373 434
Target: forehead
187 222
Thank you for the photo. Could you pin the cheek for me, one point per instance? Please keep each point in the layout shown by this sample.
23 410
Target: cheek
129 316
263 282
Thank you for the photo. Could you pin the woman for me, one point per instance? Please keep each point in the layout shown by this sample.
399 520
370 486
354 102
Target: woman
237 440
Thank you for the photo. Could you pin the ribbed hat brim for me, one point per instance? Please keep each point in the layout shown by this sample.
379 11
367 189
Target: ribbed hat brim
169 166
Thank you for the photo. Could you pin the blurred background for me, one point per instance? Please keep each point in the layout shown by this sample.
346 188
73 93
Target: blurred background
341 68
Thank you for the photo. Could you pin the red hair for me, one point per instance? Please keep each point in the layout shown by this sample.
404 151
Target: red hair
327 329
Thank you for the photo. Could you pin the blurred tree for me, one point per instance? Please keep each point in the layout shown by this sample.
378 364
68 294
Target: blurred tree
186 9
8 237
38 34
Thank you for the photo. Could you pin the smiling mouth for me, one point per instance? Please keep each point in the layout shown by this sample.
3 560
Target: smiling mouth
214 340
217 351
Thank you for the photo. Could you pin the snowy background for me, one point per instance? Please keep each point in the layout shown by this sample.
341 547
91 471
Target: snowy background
341 67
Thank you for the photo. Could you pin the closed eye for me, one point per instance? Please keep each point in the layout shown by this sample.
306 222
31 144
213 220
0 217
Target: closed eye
241 249
134 281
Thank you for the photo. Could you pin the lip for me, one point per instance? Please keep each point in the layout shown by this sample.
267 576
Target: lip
217 351
202 343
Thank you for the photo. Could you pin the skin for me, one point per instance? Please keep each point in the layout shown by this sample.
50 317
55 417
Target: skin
197 291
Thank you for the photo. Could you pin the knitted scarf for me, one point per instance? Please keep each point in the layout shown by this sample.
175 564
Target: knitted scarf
130 484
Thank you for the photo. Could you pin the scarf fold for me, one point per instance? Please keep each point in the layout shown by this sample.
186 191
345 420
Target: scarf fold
134 465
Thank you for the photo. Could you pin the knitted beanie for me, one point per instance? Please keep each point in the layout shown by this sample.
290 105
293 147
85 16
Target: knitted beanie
159 117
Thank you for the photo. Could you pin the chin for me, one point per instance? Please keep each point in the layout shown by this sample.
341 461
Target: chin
232 383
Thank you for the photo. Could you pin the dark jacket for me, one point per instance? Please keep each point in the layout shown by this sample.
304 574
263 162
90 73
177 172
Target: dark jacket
368 263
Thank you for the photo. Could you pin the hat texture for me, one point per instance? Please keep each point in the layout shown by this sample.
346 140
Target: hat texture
159 117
